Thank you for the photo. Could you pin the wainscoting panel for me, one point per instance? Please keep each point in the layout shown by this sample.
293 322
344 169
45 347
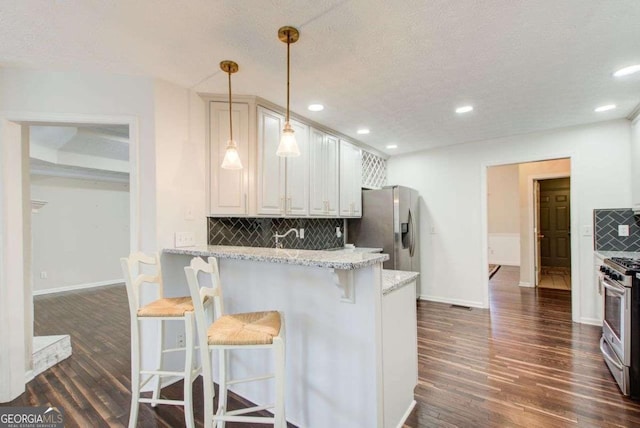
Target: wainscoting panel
504 249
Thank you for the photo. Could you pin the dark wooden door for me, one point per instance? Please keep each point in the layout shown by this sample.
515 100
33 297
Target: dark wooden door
555 224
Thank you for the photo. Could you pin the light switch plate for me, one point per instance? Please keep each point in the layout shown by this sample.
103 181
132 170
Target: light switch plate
184 239
623 230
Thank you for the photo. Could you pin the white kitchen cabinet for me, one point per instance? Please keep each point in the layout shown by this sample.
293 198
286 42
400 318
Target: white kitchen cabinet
283 183
635 165
228 189
350 180
323 170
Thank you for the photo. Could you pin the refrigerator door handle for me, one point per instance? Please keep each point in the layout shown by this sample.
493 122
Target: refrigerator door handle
412 242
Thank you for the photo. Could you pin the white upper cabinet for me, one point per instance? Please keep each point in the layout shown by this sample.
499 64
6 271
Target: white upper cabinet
323 169
635 165
350 180
228 189
283 183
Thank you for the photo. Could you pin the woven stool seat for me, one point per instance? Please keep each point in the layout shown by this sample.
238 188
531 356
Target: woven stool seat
167 307
251 328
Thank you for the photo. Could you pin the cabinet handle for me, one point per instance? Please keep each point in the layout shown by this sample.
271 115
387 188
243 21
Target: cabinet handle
283 206
246 204
289 206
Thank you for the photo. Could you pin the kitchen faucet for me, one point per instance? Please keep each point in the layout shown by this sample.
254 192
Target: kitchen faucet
279 244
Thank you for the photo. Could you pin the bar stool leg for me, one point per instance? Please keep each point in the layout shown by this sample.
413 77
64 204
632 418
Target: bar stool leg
188 370
158 380
207 385
222 390
279 416
135 374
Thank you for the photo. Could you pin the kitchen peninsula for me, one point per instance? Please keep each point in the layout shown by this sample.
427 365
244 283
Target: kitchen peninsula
350 329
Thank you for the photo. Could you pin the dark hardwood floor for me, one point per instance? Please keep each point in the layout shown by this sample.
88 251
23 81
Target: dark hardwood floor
522 364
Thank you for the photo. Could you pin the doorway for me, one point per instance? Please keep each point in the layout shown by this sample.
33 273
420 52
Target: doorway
513 221
16 303
553 233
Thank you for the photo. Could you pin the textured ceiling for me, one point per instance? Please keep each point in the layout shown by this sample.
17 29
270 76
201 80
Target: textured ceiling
399 68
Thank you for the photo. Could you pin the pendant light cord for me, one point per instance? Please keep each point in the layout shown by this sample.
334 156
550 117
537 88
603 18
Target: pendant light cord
288 45
230 113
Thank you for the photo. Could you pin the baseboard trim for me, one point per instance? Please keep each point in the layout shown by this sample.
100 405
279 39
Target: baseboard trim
525 284
505 262
77 287
459 302
406 414
591 321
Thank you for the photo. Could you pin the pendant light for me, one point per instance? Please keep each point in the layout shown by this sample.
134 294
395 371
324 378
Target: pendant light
288 146
231 156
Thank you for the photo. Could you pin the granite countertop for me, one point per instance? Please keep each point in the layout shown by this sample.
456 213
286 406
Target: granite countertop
609 254
340 259
394 279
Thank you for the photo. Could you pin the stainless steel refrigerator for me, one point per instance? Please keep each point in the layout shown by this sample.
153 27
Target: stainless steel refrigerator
389 221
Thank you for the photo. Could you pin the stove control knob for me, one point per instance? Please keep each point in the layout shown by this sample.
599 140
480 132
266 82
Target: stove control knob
603 269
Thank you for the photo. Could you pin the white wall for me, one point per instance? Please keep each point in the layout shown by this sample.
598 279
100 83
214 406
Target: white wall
80 234
452 181
503 219
181 162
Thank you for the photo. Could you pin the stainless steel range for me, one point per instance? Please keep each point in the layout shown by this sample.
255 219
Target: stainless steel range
620 342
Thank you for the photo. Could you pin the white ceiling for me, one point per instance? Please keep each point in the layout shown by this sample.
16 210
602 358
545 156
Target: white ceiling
99 152
399 68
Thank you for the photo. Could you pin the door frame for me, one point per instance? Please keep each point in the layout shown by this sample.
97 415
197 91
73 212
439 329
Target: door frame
575 202
16 293
534 248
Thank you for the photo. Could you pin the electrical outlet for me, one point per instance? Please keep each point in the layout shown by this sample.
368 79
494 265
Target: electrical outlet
623 230
338 232
188 213
301 233
180 342
43 274
587 230
184 239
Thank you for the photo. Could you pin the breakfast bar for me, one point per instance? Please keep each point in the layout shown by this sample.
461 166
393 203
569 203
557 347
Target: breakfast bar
351 344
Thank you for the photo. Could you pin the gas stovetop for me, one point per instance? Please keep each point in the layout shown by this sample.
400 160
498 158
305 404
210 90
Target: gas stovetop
624 264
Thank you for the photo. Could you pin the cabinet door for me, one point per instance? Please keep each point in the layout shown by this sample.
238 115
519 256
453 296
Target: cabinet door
271 168
346 179
350 180
317 174
228 189
331 181
635 164
356 184
297 180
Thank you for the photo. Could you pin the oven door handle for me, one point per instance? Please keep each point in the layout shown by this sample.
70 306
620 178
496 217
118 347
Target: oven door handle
613 287
608 356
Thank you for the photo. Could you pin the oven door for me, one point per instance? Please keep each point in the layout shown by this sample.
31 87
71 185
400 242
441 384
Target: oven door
617 319
619 371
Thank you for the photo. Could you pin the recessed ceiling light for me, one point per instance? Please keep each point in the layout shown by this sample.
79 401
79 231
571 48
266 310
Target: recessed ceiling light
627 70
392 146
464 109
316 107
605 108
363 131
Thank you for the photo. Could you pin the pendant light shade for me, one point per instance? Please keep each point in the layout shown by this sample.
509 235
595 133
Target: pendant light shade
288 146
231 156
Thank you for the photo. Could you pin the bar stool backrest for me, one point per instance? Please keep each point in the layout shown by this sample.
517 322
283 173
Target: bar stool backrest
138 269
201 290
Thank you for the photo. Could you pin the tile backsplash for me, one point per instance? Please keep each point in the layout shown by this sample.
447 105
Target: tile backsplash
319 234
606 230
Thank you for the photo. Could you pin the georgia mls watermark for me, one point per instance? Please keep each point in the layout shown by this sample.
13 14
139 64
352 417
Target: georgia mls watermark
31 417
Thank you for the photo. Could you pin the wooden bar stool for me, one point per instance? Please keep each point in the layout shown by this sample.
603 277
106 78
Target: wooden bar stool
253 330
163 309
